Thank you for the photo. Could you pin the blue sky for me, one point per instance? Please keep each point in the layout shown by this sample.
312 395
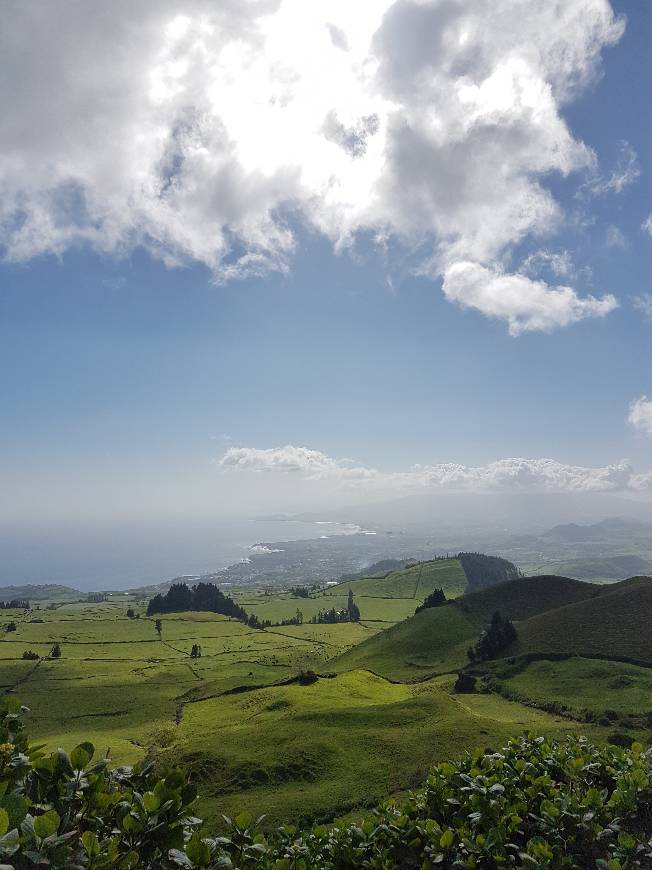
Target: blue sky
130 366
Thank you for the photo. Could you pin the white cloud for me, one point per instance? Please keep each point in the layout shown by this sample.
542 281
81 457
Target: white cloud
646 226
626 172
560 263
524 303
615 238
292 460
536 475
640 415
644 304
194 128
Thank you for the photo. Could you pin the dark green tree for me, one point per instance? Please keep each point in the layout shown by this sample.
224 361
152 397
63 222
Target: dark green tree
352 608
55 652
435 599
158 626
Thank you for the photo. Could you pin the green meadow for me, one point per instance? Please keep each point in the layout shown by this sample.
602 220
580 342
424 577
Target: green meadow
382 709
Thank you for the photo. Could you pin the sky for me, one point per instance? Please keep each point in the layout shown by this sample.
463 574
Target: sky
272 255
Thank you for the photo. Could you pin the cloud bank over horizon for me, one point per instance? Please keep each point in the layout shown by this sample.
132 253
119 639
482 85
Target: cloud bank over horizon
206 132
503 475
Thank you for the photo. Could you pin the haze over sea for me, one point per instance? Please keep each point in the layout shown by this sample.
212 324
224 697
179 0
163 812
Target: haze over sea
116 556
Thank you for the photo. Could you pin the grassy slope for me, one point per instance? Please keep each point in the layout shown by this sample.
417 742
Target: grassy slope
433 641
436 640
414 583
383 600
585 684
615 623
120 686
312 751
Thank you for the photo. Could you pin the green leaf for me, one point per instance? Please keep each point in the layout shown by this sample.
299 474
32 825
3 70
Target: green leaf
151 802
47 824
198 851
446 839
81 755
4 822
243 820
13 704
626 841
90 843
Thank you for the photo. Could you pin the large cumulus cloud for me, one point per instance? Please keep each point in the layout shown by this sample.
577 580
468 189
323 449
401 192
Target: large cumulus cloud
195 128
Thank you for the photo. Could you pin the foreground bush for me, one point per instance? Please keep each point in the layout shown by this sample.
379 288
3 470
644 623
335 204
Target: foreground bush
535 804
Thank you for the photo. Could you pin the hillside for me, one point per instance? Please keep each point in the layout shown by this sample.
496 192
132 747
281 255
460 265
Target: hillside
415 582
436 640
47 591
608 568
615 623
526 597
432 642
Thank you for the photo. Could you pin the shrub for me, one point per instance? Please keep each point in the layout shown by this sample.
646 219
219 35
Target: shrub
535 804
65 811
465 683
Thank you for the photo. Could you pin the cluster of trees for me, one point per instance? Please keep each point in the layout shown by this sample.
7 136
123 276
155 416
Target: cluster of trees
537 803
351 613
11 626
195 652
435 599
483 571
131 613
203 596
297 619
15 604
499 634
300 591
31 656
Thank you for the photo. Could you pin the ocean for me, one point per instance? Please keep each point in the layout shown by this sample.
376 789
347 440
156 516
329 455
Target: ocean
122 556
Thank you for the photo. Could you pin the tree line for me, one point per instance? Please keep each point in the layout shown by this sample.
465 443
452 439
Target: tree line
351 613
203 596
207 596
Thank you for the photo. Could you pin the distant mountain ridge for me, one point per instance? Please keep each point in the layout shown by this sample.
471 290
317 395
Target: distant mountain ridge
37 592
574 533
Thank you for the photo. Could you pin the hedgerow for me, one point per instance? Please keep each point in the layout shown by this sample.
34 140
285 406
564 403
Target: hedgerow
534 804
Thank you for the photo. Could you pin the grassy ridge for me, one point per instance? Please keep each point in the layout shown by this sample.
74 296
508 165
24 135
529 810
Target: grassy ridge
414 583
433 641
585 684
436 640
305 752
614 623
385 600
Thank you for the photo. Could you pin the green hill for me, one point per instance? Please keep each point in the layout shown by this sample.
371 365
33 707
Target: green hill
526 597
614 623
436 640
415 582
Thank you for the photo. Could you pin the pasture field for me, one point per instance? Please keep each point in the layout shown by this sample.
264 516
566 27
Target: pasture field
120 685
314 751
384 600
382 710
586 684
